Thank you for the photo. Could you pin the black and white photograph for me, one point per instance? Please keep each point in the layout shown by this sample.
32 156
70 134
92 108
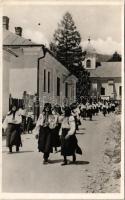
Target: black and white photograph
62 99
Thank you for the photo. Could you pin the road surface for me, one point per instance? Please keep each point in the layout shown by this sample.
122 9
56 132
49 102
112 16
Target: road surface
25 172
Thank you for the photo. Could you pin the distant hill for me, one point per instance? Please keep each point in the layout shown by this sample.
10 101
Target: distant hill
103 57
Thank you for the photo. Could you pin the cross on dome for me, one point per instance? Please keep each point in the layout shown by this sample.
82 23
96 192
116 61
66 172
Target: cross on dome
89 48
89 39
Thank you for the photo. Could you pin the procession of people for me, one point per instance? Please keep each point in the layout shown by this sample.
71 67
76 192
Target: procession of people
56 127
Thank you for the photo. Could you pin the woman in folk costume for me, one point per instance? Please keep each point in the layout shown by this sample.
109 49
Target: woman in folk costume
104 109
76 113
93 108
97 108
55 126
89 110
12 127
30 121
45 136
83 110
22 111
69 144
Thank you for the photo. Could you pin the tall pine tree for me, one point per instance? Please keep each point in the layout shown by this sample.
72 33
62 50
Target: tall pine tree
66 48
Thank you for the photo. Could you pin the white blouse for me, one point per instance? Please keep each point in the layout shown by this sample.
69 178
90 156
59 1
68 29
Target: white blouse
9 119
69 123
52 122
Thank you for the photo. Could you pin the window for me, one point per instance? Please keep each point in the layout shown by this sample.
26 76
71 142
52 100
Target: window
44 84
102 91
88 63
48 82
66 90
58 86
120 90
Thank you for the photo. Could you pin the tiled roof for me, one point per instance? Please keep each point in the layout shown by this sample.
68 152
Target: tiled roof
10 38
107 69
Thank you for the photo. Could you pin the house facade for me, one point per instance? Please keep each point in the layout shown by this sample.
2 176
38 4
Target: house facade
105 78
29 68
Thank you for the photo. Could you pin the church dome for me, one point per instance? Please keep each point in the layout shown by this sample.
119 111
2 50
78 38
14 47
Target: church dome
89 48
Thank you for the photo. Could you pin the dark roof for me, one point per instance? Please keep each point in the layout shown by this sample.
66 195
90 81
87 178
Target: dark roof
107 69
10 38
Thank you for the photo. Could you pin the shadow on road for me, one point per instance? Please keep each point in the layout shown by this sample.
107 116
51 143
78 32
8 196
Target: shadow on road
80 163
55 161
23 152
80 133
82 128
14 152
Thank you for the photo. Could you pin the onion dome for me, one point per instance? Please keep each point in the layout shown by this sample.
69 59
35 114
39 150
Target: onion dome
89 48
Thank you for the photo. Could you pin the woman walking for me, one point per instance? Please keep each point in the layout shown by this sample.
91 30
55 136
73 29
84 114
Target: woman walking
12 127
55 125
104 109
30 122
44 136
69 144
75 111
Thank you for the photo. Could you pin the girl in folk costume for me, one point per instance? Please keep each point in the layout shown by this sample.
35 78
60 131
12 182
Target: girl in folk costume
23 111
97 108
104 109
30 121
112 106
89 110
55 126
69 144
93 108
12 127
100 105
83 111
45 136
76 113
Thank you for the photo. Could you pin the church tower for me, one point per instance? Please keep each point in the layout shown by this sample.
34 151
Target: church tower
90 58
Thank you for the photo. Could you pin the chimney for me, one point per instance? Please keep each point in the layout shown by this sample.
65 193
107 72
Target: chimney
5 22
18 31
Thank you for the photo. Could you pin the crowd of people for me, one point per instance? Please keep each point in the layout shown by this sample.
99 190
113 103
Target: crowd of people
56 126
91 108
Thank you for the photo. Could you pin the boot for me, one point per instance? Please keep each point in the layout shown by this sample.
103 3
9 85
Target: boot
74 158
10 149
17 148
65 161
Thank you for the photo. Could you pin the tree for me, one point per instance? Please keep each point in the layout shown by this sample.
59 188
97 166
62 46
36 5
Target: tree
115 58
66 48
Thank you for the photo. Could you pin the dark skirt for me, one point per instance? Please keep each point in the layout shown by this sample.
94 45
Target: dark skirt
30 125
45 140
104 111
55 136
97 110
112 108
89 113
93 111
83 113
68 146
13 135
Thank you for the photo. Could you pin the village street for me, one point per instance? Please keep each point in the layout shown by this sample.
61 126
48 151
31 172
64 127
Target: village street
25 172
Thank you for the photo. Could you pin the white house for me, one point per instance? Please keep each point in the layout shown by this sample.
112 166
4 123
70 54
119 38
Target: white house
32 68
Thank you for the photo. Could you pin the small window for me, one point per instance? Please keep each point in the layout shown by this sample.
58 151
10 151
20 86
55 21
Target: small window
88 63
44 84
102 91
58 86
48 82
120 90
66 90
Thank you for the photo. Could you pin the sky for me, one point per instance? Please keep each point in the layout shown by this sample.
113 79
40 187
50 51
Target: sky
101 22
